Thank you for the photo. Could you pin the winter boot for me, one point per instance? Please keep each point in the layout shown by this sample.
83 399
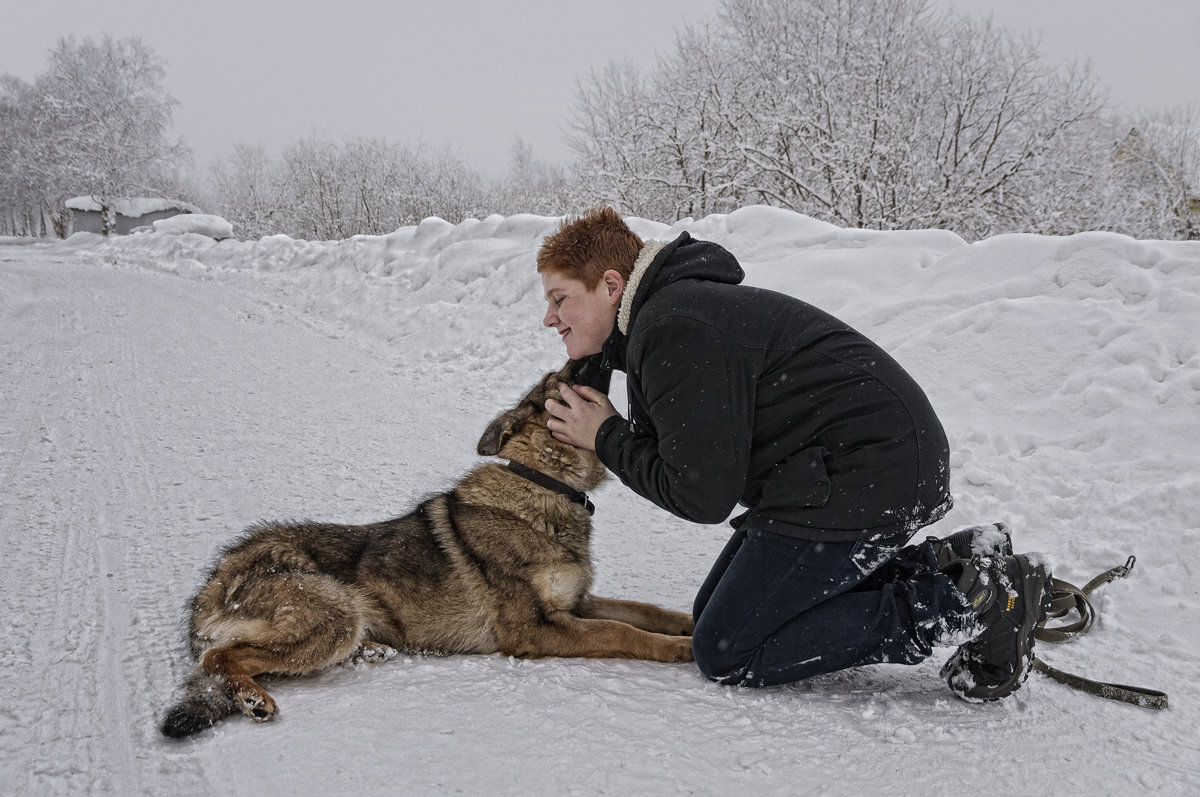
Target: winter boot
993 539
1010 595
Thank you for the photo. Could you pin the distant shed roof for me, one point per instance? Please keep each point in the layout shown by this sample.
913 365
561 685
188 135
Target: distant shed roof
133 207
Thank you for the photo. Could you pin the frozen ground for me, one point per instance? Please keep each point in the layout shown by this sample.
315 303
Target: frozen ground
160 392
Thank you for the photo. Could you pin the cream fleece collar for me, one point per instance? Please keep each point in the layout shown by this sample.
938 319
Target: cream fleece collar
625 313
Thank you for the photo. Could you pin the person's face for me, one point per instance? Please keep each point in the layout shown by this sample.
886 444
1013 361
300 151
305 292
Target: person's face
582 317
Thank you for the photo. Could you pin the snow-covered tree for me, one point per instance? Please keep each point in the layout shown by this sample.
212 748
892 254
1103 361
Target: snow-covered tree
109 118
20 200
248 189
33 180
610 124
315 200
326 189
440 183
95 122
867 113
1006 121
531 186
1155 171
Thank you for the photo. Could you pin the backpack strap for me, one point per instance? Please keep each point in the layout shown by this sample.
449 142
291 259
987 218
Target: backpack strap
1067 598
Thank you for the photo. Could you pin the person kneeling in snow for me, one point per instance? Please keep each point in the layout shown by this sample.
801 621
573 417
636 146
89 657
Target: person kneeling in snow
738 394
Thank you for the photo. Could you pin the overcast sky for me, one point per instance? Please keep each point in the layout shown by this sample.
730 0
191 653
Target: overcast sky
478 75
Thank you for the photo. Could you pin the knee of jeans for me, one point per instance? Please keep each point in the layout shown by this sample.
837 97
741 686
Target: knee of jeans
713 653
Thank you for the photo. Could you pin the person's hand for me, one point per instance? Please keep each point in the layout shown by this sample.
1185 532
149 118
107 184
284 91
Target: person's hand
578 416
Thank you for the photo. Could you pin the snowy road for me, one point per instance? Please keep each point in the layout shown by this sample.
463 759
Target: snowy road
145 418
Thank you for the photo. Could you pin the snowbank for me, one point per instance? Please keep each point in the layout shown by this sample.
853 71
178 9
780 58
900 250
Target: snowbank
214 227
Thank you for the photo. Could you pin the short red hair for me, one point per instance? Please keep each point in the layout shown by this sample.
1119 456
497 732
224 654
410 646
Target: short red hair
587 246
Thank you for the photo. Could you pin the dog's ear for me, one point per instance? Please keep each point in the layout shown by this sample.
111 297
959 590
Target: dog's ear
494 436
589 371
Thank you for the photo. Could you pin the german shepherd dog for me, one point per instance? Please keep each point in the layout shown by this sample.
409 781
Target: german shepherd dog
499 563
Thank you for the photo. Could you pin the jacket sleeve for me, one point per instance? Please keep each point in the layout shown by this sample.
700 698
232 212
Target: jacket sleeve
693 460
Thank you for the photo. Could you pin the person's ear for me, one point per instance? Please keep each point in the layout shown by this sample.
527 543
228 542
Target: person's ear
614 283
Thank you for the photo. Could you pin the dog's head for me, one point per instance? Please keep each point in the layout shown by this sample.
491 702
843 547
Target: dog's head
521 435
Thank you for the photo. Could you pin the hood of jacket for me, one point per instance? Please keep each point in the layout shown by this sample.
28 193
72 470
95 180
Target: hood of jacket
662 263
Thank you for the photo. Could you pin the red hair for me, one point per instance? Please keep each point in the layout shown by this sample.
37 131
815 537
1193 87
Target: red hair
587 246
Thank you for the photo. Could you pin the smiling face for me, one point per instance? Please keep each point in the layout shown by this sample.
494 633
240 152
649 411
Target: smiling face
582 316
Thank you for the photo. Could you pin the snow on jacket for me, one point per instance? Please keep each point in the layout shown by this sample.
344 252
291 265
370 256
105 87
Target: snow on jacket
739 394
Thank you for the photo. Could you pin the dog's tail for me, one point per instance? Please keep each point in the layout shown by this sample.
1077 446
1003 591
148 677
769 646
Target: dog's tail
206 699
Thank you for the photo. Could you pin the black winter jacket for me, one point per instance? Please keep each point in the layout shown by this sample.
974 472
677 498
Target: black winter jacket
738 394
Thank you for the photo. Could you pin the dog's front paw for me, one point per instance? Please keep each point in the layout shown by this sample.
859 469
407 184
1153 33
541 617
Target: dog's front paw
373 653
681 649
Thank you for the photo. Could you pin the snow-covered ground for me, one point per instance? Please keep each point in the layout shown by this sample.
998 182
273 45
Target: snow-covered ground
160 392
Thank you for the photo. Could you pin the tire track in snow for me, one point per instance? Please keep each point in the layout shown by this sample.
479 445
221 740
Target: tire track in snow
80 724
47 524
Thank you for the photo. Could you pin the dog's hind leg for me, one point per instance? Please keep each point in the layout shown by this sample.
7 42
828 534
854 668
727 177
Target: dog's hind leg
237 665
285 624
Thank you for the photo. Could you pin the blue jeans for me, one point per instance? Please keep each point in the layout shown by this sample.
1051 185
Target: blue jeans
777 609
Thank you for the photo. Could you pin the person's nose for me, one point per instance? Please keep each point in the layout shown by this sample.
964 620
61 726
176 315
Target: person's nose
551 318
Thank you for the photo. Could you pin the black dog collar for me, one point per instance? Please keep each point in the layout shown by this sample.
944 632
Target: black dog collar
551 483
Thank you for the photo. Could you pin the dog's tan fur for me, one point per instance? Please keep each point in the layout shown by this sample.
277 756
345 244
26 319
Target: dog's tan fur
496 564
